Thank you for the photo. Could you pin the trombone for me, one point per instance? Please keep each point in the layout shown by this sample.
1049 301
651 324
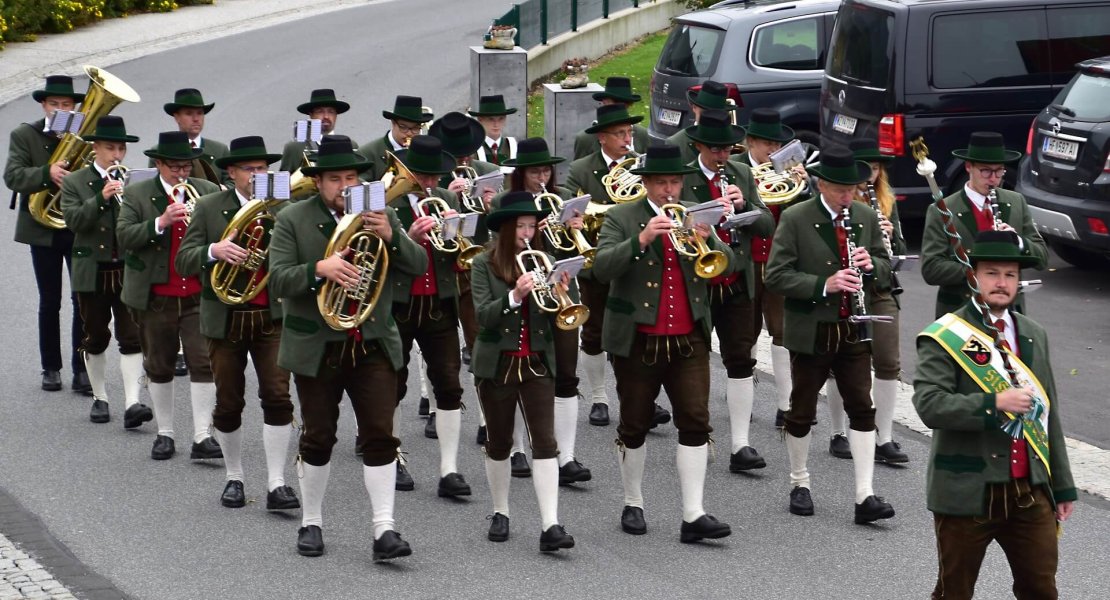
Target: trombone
687 242
191 195
550 297
118 172
561 237
436 209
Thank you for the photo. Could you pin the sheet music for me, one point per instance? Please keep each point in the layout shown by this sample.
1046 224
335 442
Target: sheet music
573 206
743 219
376 202
136 175
65 121
490 181
355 198
308 130
451 227
571 266
279 185
707 213
788 156
469 224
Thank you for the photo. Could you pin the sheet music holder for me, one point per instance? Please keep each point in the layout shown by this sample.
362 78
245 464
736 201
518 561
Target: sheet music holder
271 185
364 197
65 121
574 205
469 224
490 181
308 131
571 266
741 219
707 213
451 227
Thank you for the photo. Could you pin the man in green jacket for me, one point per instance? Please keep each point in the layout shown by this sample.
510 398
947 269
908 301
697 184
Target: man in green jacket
166 303
985 159
323 105
250 326
189 112
826 250
998 466
710 96
406 120
617 92
27 171
657 331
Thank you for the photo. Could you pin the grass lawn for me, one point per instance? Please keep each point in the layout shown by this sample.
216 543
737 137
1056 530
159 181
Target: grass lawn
634 61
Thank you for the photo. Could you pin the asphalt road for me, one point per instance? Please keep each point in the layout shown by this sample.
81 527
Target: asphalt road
156 528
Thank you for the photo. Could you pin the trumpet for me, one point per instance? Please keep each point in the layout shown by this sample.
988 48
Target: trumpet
118 172
873 198
469 175
859 314
687 242
191 196
561 237
996 212
436 208
550 297
621 185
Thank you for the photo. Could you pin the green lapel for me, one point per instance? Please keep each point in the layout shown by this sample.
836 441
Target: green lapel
327 219
825 226
657 243
966 214
230 207
1025 344
158 195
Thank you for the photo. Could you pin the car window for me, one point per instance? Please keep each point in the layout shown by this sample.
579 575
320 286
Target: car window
861 48
992 49
1087 96
791 45
690 51
1076 34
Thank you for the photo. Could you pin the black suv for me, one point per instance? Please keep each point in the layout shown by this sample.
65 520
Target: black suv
1066 173
770 54
941 69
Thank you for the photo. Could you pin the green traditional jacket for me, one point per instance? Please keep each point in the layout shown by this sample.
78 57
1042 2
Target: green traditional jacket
210 219
634 276
446 285
501 325
586 144
211 150
26 172
696 187
481 167
374 151
92 219
804 254
297 243
970 451
146 252
292 155
938 261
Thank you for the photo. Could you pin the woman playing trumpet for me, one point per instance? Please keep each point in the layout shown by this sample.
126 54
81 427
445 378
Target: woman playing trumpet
516 368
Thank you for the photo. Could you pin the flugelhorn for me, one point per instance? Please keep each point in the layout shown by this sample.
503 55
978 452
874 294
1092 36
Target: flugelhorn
437 207
191 196
469 175
241 283
559 235
550 297
118 172
687 242
621 185
859 314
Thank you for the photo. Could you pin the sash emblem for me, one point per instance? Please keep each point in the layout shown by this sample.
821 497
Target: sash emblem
977 351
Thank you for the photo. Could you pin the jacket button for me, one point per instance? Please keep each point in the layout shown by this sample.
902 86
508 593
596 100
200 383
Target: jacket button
646 305
102 246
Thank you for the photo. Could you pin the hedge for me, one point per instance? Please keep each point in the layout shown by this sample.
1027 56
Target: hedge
21 20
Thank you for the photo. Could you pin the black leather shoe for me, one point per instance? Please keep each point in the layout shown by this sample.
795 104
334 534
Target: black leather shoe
404 479
81 384
891 454
872 509
498 528
51 381
465 355
599 414
422 409
452 485
481 437
632 520
430 427
390 546
555 538
99 411
780 418
839 447
519 465
801 503
136 415
180 369
310 541
163 448
233 496
208 448
745 459
660 417
706 527
282 498
574 472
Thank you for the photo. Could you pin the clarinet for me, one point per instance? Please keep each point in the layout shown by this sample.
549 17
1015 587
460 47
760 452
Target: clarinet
722 185
895 285
859 314
992 198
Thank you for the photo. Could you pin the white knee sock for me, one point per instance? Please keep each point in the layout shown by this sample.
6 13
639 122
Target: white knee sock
692 462
396 423
519 429
314 482
448 423
94 366
566 427
594 369
203 398
275 440
161 396
739 395
545 478
884 394
798 450
380 483
780 367
422 371
497 474
232 445
632 473
836 407
862 444
131 367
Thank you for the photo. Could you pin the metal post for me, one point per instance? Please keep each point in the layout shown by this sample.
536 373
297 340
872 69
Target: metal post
543 22
604 9
574 15
635 3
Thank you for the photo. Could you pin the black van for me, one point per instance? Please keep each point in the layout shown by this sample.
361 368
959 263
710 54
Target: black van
899 69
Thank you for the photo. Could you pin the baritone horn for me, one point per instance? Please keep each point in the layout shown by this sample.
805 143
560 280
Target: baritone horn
240 283
345 308
550 297
687 242
562 237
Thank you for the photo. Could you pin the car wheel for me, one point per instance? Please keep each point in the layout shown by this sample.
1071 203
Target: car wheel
1078 257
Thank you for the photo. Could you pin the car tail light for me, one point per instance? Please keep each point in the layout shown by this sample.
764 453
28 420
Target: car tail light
1106 167
1097 226
1029 140
892 135
731 88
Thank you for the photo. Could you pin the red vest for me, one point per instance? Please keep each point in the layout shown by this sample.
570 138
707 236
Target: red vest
761 246
525 334
176 286
425 285
984 219
673 316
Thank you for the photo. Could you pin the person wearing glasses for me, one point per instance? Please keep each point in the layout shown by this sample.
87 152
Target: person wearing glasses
406 121
985 160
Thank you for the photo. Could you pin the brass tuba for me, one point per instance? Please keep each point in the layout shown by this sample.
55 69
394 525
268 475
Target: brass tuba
342 308
621 185
686 241
550 297
398 180
106 91
558 234
241 283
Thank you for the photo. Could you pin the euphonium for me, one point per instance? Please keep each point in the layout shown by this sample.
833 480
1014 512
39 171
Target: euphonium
346 308
775 187
436 208
550 297
561 237
469 175
687 242
468 251
300 185
106 91
118 172
397 179
239 284
621 184
191 196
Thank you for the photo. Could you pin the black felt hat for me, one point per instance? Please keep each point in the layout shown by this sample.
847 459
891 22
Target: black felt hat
57 85
110 128
336 153
491 106
987 147
766 123
999 246
461 135
323 97
663 159
513 205
711 95
425 155
619 89
174 145
242 149
715 129
187 98
408 108
533 152
609 115
839 166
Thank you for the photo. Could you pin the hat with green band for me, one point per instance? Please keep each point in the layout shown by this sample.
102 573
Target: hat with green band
513 205
767 124
491 106
174 145
336 153
461 135
987 147
110 128
839 166
323 98
711 95
663 159
999 246
187 98
533 152
609 115
715 129
244 149
57 85
425 155
408 108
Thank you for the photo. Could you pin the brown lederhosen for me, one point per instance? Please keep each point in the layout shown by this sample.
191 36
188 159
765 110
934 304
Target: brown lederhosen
523 383
838 352
165 319
250 330
432 323
99 308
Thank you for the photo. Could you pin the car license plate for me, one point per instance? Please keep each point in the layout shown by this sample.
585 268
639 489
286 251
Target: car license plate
1058 148
844 124
670 117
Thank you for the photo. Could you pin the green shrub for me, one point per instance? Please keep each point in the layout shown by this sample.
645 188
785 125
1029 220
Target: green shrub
21 20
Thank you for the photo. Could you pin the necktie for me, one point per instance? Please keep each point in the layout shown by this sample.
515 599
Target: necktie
493 158
193 143
715 186
1000 325
842 244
